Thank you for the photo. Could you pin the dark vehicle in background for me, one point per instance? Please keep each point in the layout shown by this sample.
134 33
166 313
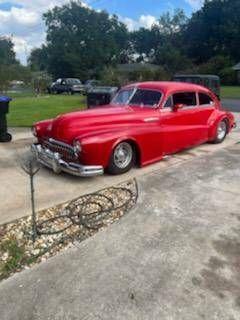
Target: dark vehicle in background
67 85
100 96
209 81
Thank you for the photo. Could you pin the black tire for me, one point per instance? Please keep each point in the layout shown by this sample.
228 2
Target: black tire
114 166
221 132
7 137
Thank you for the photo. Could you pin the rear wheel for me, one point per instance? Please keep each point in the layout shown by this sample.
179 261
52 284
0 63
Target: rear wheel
122 159
222 130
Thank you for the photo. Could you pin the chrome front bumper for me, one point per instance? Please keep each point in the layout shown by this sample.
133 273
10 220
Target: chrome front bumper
53 161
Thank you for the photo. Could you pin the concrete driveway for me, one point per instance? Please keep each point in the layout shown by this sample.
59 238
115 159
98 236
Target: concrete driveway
52 189
175 256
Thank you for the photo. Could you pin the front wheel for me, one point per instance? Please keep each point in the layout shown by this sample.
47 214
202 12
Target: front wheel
122 159
222 130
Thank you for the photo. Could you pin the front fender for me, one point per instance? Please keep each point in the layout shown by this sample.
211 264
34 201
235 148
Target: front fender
41 128
97 148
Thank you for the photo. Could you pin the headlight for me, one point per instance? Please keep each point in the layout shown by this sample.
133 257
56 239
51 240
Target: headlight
77 147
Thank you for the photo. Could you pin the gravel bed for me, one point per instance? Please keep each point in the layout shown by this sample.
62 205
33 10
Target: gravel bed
60 226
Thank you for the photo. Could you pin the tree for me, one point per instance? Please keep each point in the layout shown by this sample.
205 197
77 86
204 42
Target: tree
80 41
10 68
214 30
171 58
145 41
7 54
38 59
162 44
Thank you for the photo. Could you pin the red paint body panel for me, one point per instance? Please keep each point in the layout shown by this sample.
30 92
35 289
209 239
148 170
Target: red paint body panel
154 131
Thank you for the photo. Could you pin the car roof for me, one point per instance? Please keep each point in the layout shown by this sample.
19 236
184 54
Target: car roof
168 87
204 76
71 78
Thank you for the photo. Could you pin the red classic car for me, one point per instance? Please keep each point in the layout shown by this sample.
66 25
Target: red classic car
143 123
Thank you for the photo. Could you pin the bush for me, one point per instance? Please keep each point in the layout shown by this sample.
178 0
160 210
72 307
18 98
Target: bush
113 77
220 66
228 76
41 81
12 72
148 75
110 77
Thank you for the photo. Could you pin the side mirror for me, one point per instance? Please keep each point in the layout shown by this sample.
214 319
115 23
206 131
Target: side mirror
178 106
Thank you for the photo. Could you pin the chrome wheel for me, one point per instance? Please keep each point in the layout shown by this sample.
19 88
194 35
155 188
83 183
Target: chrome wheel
123 155
221 130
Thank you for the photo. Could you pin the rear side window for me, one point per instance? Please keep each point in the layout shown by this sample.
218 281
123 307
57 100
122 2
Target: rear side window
185 98
204 99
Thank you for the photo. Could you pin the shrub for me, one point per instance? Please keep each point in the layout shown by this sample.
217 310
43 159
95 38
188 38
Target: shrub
228 76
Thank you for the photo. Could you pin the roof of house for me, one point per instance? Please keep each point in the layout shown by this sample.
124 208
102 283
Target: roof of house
237 67
212 76
130 67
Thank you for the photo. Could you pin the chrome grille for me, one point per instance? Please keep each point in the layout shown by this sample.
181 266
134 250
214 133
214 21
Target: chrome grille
65 150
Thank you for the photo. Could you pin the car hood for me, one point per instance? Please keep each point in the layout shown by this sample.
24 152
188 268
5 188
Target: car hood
68 126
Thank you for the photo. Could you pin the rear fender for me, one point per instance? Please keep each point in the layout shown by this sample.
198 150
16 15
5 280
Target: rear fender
222 116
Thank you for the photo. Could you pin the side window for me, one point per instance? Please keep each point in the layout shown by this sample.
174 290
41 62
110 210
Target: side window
186 98
204 99
169 103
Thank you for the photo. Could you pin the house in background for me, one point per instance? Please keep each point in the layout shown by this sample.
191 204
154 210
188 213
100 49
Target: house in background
237 69
137 67
132 72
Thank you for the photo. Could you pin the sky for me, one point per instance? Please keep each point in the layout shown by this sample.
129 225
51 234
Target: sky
22 19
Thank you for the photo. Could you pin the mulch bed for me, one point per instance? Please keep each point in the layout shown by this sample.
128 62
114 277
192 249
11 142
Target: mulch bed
61 226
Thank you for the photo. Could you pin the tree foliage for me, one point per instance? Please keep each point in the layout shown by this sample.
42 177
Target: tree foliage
214 30
81 40
38 59
7 54
10 68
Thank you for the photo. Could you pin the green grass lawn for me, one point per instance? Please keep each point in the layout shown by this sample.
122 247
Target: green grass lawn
24 111
230 92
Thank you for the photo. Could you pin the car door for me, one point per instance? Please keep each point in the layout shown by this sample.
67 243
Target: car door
181 128
205 109
64 85
57 86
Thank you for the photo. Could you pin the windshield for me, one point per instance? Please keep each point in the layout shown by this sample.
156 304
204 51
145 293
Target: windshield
123 96
138 97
